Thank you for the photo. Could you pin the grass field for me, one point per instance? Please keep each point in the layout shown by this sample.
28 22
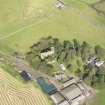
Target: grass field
13 92
90 1
99 99
23 22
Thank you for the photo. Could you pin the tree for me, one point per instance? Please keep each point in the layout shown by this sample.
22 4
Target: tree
79 73
85 51
77 46
79 63
101 74
62 57
99 51
85 72
36 62
46 68
67 45
29 56
58 47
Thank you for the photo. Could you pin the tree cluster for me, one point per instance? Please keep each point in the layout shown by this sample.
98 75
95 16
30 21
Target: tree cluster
66 52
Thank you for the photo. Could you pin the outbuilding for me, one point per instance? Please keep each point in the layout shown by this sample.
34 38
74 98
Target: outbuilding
26 76
46 86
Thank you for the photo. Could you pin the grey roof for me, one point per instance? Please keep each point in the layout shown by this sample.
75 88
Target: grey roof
57 97
71 92
64 103
69 82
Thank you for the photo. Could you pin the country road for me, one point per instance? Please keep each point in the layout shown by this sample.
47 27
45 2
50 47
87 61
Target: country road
22 65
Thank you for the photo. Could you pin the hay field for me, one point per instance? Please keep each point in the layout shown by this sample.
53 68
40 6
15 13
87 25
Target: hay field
13 92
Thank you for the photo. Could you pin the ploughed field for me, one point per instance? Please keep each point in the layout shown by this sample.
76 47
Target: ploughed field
13 92
22 22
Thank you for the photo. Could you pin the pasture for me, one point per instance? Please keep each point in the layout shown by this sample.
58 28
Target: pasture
23 22
13 92
90 1
99 99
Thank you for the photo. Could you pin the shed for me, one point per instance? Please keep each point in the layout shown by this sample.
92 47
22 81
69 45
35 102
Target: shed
25 76
59 4
46 86
64 103
71 92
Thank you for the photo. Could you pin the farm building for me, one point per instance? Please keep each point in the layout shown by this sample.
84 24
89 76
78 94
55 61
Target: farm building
62 67
59 4
59 76
69 82
26 76
64 103
46 86
57 98
91 60
47 53
73 93
97 62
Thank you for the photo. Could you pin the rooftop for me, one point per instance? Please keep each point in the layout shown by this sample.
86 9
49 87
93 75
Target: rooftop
69 82
26 76
64 103
46 86
57 98
71 92
47 52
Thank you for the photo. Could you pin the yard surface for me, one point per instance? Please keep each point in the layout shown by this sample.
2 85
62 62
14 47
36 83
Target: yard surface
13 92
23 22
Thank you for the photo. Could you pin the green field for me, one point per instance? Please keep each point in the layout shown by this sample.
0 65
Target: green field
22 22
90 1
100 97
